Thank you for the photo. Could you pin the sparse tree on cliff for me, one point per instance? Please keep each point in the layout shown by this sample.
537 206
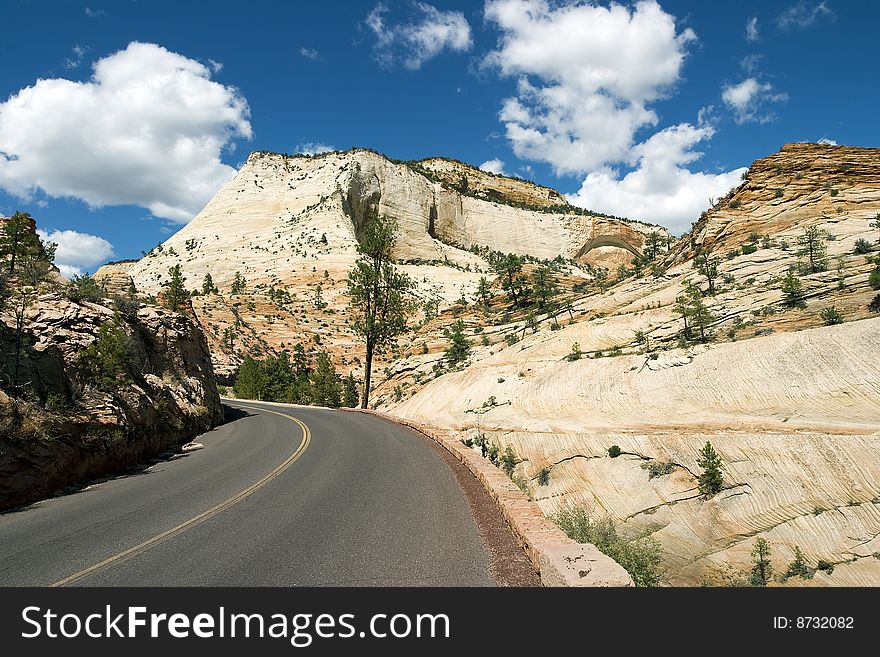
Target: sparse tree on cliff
509 267
459 346
762 571
711 480
32 270
545 286
175 289
653 242
208 286
484 291
18 240
812 246
708 265
379 294
239 283
792 290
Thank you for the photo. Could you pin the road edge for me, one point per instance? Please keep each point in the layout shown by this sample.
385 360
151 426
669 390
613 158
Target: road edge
559 560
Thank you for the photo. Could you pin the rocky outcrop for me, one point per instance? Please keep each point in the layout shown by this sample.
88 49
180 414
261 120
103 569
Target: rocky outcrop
70 423
114 277
801 184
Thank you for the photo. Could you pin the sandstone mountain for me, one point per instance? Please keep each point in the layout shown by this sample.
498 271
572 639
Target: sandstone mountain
289 224
791 404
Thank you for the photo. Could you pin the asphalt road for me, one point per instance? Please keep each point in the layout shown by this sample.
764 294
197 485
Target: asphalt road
343 499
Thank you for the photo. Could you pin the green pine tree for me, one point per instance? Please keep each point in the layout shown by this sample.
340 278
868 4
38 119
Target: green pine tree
762 571
711 480
250 381
326 388
175 290
459 346
350 391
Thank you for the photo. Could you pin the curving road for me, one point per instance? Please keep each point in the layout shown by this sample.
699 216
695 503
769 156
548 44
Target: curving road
278 496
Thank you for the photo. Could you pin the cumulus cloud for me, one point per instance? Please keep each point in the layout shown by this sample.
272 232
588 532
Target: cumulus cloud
586 78
660 188
77 250
309 53
429 32
803 15
147 129
493 166
752 32
313 148
748 99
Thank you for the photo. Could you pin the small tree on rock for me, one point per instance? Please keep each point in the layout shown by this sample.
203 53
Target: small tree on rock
459 346
711 480
208 286
792 290
175 289
812 246
762 571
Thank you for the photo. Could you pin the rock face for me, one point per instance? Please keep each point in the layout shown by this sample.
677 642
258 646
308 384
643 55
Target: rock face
791 405
284 221
115 278
75 429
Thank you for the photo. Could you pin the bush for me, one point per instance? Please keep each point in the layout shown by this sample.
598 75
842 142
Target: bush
658 468
106 359
831 316
508 461
640 558
798 567
862 246
825 566
874 279
614 451
492 453
749 248
575 353
874 306
544 477
84 288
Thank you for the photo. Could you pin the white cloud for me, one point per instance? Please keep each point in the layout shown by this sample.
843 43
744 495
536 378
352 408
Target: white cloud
78 54
752 32
77 250
803 15
586 77
493 166
147 129
94 13
313 148
308 53
216 66
827 142
660 189
429 32
748 98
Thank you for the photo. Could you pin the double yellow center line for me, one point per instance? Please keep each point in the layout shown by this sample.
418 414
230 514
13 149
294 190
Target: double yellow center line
192 522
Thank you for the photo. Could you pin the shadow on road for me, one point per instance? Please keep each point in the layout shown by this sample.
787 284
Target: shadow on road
231 414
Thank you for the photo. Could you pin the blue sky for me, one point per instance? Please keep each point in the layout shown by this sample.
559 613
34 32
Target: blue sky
119 120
